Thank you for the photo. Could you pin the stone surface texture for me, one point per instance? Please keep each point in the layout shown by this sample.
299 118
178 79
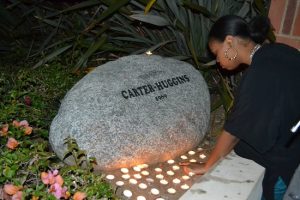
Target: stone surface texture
233 178
293 190
137 109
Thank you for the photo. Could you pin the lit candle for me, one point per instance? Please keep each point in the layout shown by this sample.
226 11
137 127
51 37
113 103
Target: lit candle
142 186
191 173
150 180
171 190
185 187
149 53
137 176
132 181
124 170
185 177
110 177
193 160
145 173
136 168
125 176
170 173
154 191
175 167
163 181
158 169
140 198
142 166
176 181
159 176
191 152
202 156
183 157
119 183
171 161
199 149
127 193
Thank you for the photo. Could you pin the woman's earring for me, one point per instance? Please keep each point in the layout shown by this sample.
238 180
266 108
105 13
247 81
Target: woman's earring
233 57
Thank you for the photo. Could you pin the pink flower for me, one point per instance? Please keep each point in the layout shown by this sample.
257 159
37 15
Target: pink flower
17 196
11 189
55 172
59 180
16 123
12 143
4 130
52 177
79 196
27 100
47 178
58 191
24 123
28 130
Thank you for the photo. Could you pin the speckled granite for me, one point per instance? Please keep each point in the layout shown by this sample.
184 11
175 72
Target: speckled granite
137 109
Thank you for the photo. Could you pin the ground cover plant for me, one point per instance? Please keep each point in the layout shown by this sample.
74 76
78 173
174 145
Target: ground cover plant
28 167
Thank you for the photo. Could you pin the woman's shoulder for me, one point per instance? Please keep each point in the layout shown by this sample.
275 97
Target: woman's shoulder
279 48
278 53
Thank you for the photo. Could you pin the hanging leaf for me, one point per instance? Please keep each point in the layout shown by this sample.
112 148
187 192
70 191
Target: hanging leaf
52 55
151 19
259 4
113 7
160 45
198 8
93 48
149 5
76 7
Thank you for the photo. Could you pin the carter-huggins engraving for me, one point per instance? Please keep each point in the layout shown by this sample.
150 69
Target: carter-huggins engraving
157 86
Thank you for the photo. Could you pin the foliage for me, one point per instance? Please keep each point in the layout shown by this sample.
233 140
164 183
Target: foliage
78 155
23 165
91 32
34 95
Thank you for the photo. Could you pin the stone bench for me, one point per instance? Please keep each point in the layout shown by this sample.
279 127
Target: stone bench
234 178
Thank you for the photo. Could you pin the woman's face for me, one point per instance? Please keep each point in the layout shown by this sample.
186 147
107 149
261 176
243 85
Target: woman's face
226 55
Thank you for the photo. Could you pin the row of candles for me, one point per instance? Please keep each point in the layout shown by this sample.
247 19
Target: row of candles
140 171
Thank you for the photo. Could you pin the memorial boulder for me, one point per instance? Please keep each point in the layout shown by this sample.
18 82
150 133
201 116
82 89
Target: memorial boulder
137 109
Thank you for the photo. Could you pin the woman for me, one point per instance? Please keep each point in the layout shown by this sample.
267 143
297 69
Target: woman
267 101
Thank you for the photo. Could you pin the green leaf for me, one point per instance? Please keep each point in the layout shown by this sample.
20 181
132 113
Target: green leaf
9 172
198 8
80 6
114 6
67 154
160 45
151 19
226 95
149 5
94 47
259 4
52 23
52 55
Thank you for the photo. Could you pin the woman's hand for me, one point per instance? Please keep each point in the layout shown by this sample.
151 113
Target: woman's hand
224 145
196 168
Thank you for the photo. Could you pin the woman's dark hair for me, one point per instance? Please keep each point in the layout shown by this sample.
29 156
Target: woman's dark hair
257 30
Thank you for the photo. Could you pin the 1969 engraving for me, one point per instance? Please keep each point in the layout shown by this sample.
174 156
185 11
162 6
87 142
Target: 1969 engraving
161 97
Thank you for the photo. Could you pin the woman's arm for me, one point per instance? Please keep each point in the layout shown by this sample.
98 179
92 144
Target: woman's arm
224 145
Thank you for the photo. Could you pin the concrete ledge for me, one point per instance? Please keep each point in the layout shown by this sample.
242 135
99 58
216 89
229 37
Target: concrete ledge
234 178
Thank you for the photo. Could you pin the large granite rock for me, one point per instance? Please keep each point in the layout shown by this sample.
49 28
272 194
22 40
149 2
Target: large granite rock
137 109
